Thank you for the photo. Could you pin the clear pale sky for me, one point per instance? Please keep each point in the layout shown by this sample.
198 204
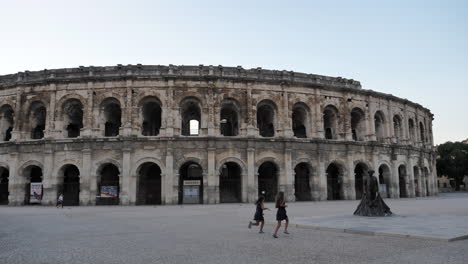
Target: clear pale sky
412 49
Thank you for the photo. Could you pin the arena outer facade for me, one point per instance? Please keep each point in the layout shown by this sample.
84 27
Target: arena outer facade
128 135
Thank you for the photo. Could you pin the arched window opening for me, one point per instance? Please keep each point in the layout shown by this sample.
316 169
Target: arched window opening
299 121
230 187
421 132
411 129
73 117
358 128
397 127
33 187
330 122
6 122
37 120
360 171
334 181
112 117
266 119
229 123
191 183
268 181
4 177
151 112
149 184
379 122
109 185
71 185
302 182
191 117
403 180
384 180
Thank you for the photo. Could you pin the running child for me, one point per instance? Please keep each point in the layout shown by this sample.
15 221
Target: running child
258 217
281 214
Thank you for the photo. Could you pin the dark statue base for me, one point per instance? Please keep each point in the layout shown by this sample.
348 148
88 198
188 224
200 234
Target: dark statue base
372 207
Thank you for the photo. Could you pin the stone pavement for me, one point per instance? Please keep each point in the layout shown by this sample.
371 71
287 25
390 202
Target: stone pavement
215 234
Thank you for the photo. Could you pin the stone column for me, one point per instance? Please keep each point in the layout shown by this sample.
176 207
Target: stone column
405 127
287 182
286 117
49 191
348 134
15 182
50 130
86 197
389 124
252 130
371 136
395 180
127 122
16 134
252 182
212 127
171 196
412 189
323 191
213 176
420 184
126 195
88 122
317 128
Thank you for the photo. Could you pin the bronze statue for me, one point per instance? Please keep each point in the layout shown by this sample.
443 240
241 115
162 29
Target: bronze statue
372 204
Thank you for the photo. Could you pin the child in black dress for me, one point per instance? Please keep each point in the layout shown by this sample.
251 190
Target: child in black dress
281 214
258 217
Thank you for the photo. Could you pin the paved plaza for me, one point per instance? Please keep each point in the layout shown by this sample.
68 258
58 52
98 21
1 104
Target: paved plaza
219 234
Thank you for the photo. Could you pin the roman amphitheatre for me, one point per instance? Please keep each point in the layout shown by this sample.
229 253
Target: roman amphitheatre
143 134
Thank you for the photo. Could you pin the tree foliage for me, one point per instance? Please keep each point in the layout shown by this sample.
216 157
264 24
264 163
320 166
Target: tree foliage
453 161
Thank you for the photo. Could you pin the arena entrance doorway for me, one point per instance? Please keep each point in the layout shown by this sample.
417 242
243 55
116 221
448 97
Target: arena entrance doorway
149 184
230 183
268 181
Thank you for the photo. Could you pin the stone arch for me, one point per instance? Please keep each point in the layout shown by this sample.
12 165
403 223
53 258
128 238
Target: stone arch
267 114
335 173
108 177
147 160
99 164
230 116
303 173
36 119
380 126
239 162
268 178
110 110
301 120
358 124
72 117
7 122
411 130
398 127
230 182
331 121
149 182
385 177
191 183
360 171
68 182
150 115
191 116
32 172
66 97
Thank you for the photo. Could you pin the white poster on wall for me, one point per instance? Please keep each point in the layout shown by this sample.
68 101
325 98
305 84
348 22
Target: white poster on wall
35 192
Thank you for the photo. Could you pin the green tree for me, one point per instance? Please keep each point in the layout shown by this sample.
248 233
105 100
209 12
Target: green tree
453 161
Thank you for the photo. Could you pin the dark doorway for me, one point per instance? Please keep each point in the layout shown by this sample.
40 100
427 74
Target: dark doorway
6 122
149 184
384 178
73 117
37 120
4 174
191 183
268 181
71 185
109 185
402 180
230 188
333 182
330 122
299 119
302 182
33 175
359 172
265 120
229 123
191 118
112 117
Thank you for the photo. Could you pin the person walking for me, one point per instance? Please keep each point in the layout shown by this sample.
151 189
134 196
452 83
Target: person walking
258 217
281 214
60 200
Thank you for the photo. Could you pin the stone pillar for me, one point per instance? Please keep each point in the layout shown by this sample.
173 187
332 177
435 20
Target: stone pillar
420 184
395 180
406 137
50 130
252 130
49 191
287 182
323 191
212 123
349 181
127 123
86 197
389 124
317 127
126 194
88 121
412 187
15 182
371 136
286 117
16 134
346 115
171 196
252 181
213 176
